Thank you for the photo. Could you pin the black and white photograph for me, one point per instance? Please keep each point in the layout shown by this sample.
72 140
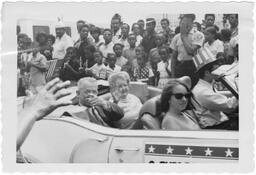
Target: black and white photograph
128 83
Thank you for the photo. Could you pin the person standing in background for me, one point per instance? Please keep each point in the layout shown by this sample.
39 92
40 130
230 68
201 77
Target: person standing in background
62 42
184 46
136 32
148 41
116 23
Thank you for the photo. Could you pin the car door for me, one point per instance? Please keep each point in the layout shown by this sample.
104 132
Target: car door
174 147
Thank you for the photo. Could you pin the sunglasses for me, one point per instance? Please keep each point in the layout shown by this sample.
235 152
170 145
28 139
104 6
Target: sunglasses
180 95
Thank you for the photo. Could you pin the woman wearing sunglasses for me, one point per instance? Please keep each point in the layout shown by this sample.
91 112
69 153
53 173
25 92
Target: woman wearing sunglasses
175 103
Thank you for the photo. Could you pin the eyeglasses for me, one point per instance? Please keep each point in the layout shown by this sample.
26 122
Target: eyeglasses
179 96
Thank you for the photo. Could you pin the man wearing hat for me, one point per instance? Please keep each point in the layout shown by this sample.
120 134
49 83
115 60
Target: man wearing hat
209 104
184 46
62 42
148 41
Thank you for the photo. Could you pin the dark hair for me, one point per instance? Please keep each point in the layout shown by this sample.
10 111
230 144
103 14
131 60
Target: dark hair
98 51
212 30
41 34
165 19
117 16
207 67
134 25
141 20
91 48
127 25
225 34
151 19
96 30
167 92
74 49
198 25
109 30
177 30
84 25
118 44
165 47
192 16
110 54
208 14
80 21
51 37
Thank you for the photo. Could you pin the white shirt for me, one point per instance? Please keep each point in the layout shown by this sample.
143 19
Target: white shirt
105 49
97 69
194 36
117 36
116 68
131 107
124 43
138 40
216 47
60 46
211 105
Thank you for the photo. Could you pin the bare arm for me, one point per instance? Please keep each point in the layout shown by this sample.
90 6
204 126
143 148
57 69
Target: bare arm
38 106
189 47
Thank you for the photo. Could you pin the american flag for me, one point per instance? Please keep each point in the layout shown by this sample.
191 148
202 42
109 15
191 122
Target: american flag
206 152
53 69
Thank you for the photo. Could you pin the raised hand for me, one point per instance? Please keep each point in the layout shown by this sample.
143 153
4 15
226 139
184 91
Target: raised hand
48 98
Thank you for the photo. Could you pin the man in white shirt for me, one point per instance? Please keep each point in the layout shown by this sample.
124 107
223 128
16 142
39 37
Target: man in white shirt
210 106
116 27
62 42
107 47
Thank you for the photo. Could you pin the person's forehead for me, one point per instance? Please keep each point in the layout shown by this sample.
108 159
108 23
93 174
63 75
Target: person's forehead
86 85
179 89
107 33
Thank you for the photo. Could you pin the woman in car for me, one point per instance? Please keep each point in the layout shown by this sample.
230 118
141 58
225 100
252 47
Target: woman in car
175 102
119 89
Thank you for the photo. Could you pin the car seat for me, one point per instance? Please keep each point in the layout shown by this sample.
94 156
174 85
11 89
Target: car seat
150 115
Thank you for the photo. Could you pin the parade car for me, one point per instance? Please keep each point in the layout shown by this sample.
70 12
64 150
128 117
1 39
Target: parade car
64 139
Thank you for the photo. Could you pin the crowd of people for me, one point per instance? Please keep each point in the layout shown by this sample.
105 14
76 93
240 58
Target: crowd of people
145 54
179 62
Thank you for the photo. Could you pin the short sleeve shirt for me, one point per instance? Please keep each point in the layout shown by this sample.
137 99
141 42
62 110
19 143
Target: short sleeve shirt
195 37
216 47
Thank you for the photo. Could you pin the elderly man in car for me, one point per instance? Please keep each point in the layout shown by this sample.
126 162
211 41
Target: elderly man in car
90 107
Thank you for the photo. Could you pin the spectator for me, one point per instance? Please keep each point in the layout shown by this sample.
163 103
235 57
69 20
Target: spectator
164 67
41 39
120 60
154 56
136 32
62 42
98 38
167 31
129 53
83 41
142 72
175 101
107 47
119 88
142 25
112 66
209 20
116 23
87 60
38 67
184 46
233 21
125 29
98 70
70 68
148 41
49 49
209 104
211 41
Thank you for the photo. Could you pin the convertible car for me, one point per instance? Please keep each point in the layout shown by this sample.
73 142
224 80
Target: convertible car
63 139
